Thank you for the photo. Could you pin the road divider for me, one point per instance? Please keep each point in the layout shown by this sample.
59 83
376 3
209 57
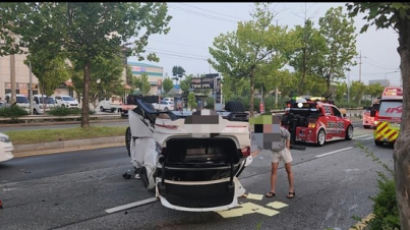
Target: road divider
333 152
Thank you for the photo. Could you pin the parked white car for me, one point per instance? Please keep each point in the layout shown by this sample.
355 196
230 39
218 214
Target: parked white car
109 105
66 101
40 101
21 101
164 105
6 148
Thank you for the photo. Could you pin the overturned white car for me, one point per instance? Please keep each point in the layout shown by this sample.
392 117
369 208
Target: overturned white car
192 162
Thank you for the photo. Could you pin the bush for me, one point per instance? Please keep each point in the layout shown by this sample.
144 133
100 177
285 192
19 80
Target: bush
63 111
12 111
385 207
209 103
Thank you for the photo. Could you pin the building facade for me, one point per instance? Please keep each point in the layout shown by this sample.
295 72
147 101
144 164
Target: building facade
155 75
22 76
208 85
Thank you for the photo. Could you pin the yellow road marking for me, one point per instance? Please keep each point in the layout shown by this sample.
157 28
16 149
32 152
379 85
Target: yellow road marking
363 223
276 205
247 208
253 196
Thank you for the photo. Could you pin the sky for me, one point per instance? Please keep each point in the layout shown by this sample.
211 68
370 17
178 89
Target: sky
195 25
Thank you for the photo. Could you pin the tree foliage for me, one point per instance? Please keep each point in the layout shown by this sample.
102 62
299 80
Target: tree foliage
339 31
191 101
84 31
254 45
167 85
178 72
142 84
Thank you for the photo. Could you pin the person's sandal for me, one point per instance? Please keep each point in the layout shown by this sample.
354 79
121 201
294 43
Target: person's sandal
291 195
270 194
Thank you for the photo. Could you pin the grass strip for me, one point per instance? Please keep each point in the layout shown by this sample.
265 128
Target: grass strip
49 135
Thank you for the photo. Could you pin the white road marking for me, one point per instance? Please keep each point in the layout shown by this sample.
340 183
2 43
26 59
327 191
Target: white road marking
369 138
364 135
333 152
131 205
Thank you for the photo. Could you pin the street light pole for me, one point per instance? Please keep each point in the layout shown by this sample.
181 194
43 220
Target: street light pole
31 89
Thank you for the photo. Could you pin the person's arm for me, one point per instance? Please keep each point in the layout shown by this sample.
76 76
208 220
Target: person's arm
288 143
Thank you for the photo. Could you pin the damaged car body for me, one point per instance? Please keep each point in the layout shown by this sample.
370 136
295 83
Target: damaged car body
192 162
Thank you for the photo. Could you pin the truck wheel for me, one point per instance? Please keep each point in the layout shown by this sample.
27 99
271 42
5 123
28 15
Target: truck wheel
349 132
128 140
378 143
321 137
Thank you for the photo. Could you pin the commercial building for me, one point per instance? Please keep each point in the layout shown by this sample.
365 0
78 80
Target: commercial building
155 75
208 85
22 77
383 82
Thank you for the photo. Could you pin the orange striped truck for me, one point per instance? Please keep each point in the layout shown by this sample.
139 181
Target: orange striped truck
388 127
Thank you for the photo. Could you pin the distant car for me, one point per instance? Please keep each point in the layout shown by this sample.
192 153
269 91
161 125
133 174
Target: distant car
42 103
108 105
6 148
21 101
164 105
66 101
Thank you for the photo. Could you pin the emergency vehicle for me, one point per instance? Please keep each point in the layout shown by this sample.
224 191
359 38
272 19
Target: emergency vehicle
316 122
370 116
388 127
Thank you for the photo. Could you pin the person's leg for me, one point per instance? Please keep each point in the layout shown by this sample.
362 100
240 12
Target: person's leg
273 177
288 167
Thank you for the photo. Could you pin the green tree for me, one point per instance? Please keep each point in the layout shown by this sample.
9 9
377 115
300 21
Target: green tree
178 72
186 85
253 45
341 90
142 84
357 90
374 90
396 15
307 55
105 79
86 30
167 85
339 32
192 101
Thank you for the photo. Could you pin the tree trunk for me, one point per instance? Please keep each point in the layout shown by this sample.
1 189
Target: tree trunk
252 94
85 109
402 146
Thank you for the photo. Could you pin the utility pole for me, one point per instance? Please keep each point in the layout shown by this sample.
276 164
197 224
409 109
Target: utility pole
13 78
360 67
30 96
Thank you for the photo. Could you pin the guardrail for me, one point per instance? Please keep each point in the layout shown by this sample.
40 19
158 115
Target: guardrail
29 118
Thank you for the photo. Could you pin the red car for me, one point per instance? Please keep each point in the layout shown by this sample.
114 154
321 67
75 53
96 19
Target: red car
316 122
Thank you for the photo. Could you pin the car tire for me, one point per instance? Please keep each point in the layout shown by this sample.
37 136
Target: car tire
378 143
101 109
35 112
128 140
349 132
321 137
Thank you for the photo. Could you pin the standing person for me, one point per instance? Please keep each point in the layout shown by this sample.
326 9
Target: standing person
275 139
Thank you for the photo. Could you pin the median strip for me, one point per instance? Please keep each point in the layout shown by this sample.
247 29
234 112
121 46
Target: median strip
333 152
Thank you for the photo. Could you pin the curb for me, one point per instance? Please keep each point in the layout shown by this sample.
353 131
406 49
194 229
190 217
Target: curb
56 123
26 150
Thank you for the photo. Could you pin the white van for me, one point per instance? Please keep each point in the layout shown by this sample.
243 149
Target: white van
21 101
40 101
66 101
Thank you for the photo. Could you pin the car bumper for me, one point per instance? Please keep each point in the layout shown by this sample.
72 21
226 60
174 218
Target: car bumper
6 149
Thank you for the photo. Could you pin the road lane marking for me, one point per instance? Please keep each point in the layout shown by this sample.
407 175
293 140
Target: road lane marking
333 152
364 135
276 205
363 223
369 138
252 196
130 205
247 208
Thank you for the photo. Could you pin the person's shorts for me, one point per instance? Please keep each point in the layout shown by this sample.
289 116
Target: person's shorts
282 155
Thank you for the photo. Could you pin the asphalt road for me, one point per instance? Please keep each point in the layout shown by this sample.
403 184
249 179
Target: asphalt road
73 190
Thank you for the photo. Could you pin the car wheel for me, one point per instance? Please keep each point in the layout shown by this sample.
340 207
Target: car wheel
378 143
101 109
128 140
35 111
349 132
321 137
